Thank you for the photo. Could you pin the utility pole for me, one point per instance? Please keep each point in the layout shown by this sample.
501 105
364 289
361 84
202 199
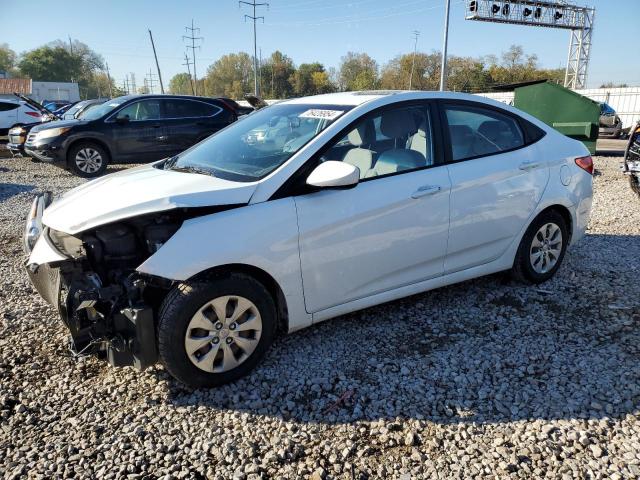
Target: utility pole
126 78
187 63
260 70
133 83
443 68
255 41
193 47
416 34
109 80
70 46
157 64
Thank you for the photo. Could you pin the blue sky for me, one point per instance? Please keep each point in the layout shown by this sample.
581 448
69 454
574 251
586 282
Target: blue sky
307 30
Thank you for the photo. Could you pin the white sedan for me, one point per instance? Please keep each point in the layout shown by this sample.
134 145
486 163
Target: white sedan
300 212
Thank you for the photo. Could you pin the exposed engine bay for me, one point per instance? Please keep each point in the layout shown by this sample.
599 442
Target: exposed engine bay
109 307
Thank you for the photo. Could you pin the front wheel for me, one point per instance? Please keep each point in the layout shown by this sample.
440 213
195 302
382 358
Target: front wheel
87 160
541 249
214 331
634 181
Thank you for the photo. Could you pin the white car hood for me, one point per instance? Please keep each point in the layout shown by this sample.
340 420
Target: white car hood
138 191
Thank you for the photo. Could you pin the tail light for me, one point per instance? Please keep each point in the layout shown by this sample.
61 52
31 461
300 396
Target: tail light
585 163
33 114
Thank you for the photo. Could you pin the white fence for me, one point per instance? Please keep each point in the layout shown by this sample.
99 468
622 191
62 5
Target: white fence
625 101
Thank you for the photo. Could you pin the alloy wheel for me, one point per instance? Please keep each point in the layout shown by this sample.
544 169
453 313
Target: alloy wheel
88 160
223 333
546 248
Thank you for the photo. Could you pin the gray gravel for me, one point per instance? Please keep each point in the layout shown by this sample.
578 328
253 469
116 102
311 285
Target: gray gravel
483 379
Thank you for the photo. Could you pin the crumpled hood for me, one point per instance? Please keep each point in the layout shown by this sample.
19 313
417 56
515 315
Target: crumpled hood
138 191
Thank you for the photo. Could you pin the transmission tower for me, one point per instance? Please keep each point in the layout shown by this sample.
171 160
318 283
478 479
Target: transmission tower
551 14
416 34
187 63
193 32
255 41
150 81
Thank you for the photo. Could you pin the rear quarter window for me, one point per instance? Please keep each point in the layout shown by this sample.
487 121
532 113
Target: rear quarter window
8 106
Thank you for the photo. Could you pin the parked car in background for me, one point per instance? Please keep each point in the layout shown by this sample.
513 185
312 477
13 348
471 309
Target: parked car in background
133 128
53 105
201 259
610 123
77 110
16 112
631 164
17 135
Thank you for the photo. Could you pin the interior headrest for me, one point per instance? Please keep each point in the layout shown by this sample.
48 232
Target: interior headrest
422 129
460 132
491 129
397 123
363 134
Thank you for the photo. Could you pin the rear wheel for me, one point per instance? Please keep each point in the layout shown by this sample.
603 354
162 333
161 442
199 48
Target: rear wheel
214 331
541 249
87 160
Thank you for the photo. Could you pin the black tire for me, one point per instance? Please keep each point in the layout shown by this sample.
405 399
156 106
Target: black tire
635 184
523 269
94 166
187 298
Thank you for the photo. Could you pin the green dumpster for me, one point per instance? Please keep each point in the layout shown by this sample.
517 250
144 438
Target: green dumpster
572 114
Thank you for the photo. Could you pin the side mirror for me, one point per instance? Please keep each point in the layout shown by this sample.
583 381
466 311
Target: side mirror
122 120
333 174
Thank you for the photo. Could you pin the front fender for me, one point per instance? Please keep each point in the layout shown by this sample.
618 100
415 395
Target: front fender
262 235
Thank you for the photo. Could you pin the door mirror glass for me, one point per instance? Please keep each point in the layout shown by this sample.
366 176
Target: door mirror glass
122 119
332 174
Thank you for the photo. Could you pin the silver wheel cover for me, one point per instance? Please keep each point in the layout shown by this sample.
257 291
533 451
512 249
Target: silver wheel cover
223 333
88 160
545 248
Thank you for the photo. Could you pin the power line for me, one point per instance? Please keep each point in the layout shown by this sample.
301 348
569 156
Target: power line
255 41
193 47
416 34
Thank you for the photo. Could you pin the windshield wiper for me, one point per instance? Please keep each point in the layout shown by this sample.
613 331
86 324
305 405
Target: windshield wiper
170 162
193 169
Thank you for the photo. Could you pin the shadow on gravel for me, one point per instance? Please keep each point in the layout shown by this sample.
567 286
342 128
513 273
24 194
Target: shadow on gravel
484 351
8 190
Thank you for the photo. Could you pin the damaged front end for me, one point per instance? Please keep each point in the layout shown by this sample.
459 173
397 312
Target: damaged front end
91 278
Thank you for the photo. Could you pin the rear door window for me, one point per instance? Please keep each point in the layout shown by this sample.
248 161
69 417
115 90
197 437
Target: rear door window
177 108
476 131
8 106
141 111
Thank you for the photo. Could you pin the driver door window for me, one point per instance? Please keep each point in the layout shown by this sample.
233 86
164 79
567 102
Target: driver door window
393 141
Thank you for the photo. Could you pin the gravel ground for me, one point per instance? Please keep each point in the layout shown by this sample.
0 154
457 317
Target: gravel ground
483 379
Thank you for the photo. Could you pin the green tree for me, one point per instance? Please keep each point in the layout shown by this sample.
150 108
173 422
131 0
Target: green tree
426 72
310 79
180 84
276 74
7 58
358 71
53 64
230 76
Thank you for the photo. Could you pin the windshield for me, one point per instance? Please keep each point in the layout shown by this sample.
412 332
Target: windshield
253 147
101 110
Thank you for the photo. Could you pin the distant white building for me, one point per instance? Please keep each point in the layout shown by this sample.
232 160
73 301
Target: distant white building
39 91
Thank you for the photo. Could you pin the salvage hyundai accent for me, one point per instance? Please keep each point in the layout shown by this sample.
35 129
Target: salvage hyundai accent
301 212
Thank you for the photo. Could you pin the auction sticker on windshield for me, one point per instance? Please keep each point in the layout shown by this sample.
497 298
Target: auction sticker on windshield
320 113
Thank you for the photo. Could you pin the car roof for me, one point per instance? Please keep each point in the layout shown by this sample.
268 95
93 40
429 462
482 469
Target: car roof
358 98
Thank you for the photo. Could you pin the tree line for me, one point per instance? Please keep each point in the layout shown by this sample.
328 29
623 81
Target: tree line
279 77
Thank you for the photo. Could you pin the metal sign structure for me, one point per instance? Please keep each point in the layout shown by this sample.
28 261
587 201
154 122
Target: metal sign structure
549 14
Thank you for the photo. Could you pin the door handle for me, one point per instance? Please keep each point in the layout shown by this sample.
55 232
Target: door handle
529 165
426 190
161 138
